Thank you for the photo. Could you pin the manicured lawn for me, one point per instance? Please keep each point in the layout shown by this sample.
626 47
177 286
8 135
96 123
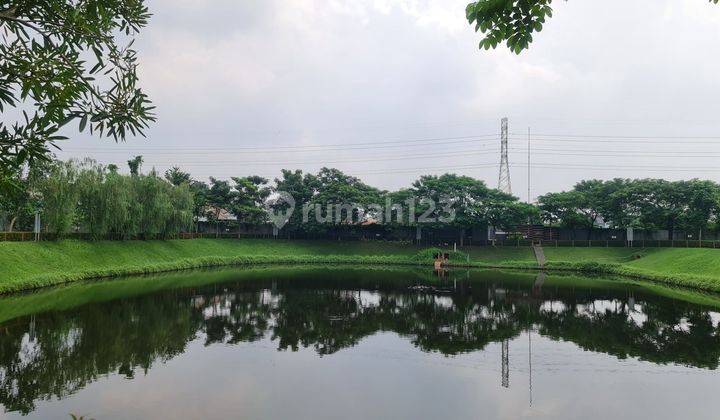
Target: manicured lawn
25 259
705 262
525 254
30 265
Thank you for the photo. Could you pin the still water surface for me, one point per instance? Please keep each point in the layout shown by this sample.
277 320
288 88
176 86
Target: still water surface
315 343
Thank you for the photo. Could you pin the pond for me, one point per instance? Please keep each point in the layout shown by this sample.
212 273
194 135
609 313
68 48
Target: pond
343 342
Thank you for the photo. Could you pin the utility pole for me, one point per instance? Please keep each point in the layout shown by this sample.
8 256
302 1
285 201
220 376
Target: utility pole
505 364
530 361
37 228
504 176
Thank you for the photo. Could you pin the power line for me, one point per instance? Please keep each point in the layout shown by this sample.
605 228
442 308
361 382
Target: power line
553 151
651 168
399 143
607 150
559 152
326 162
214 151
594 136
614 140
614 168
398 171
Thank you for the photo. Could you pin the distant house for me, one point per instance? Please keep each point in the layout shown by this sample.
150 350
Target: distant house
216 220
222 221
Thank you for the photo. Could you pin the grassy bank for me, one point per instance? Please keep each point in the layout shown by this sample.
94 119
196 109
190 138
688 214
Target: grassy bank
32 265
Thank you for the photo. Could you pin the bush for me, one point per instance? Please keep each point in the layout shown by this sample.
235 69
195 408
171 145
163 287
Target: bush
428 254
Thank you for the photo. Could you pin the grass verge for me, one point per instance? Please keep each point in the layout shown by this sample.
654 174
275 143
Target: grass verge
25 266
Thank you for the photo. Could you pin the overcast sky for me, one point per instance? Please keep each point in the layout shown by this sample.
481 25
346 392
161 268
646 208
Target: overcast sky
227 75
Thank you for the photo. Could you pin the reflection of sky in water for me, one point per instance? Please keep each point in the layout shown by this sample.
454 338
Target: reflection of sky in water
386 377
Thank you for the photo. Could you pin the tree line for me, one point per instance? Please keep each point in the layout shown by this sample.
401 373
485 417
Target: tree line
648 204
84 196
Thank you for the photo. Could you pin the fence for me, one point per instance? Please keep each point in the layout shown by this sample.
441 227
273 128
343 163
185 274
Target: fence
16 236
607 243
30 236
208 235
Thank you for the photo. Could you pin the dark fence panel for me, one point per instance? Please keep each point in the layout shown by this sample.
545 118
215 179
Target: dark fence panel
428 239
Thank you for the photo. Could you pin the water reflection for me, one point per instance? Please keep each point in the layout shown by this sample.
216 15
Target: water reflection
57 353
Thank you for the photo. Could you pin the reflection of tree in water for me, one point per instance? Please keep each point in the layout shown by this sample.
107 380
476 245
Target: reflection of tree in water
668 335
68 350
56 354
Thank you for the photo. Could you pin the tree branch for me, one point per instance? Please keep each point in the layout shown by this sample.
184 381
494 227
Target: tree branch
48 37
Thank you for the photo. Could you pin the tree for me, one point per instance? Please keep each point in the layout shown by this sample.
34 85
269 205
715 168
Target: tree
13 201
18 204
343 200
90 187
177 177
561 208
619 205
508 214
135 164
403 208
60 198
660 204
219 198
200 192
450 200
510 21
155 205
61 60
85 196
702 198
247 204
182 207
592 196
583 206
121 204
471 202
302 187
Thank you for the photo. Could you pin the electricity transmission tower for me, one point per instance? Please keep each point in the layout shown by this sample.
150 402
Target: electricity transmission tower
504 177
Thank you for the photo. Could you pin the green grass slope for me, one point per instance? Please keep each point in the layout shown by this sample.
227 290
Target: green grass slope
702 262
525 254
30 265
25 265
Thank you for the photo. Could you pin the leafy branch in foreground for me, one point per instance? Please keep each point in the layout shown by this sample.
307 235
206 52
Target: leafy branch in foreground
510 21
62 61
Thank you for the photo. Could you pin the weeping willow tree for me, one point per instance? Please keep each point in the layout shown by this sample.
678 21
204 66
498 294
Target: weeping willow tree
120 202
90 198
59 194
155 206
91 205
182 213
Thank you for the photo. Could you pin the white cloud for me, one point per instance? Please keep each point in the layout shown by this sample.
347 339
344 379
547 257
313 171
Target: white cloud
263 72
